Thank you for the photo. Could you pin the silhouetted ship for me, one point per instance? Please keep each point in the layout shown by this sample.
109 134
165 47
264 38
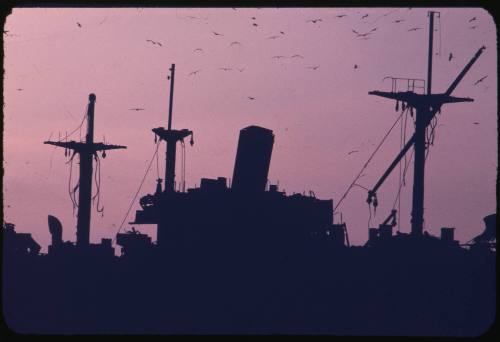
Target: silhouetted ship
248 258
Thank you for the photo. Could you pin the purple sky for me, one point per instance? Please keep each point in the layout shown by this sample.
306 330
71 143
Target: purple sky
318 116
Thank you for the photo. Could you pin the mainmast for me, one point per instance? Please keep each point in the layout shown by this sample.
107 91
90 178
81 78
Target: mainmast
426 105
86 150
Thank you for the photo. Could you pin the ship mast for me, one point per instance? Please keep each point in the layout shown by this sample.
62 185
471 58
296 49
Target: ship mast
426 105
86 150
171 137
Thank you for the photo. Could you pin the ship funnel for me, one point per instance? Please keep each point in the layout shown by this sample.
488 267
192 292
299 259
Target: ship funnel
55 229
253 158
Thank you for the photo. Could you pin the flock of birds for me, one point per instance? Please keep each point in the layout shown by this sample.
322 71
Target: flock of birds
358 34
365 35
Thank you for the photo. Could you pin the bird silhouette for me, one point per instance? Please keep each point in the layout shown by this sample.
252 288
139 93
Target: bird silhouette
314 67
472 27
255 24
19 89
79 25
340 16
450 57
361 34
351 152
297 56
414 29
278 57
194 72
314 21
472 19
480 80
225 69
273 37
282 32
397 21
355 66
251 98
365 16
198 49
153 42
253 18
217 34
136 109
476 123
235 43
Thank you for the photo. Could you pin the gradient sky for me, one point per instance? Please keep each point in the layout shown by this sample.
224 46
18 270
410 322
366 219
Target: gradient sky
318 116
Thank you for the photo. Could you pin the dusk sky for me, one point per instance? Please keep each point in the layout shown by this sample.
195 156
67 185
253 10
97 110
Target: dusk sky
316 103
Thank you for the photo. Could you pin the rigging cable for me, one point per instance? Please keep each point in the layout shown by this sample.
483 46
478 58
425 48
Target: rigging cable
139 189
398 197
77 128
367 162
183 172
157 164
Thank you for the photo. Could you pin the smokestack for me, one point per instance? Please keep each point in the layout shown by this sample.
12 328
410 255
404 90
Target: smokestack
253 158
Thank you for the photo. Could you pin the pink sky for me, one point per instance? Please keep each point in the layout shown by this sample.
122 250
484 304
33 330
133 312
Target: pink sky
318 116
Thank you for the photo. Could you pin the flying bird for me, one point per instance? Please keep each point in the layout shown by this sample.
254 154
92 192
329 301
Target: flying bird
282 32
255 24
299 56
253 18
340 16
314 67
194 72
361 34
450 57
365 16
472 19
476 123
480 80
225 69
314 21
351 152
153 42
355 66
136 109
19 89
278 57
217 34
273 37
198 49
79 25
414 29
251 98
235 43
397 21
472 27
